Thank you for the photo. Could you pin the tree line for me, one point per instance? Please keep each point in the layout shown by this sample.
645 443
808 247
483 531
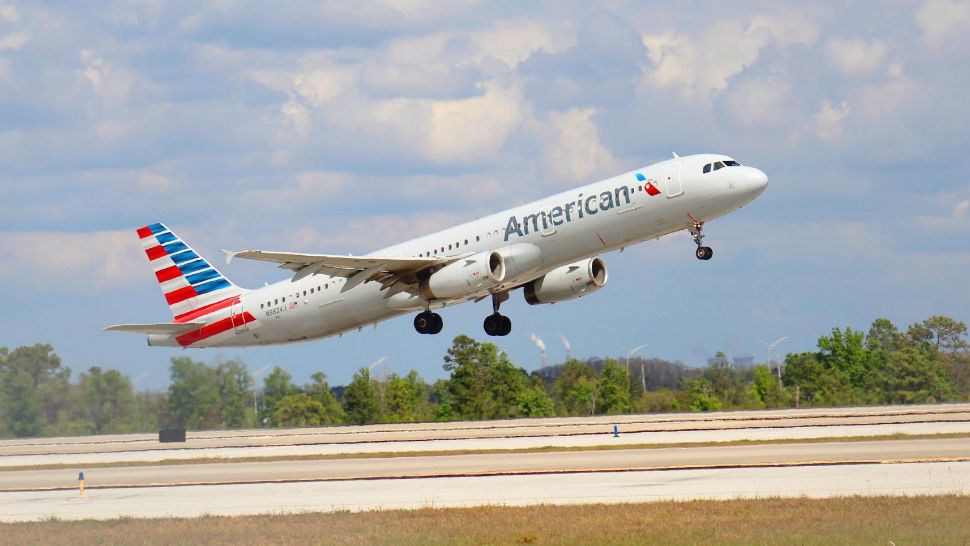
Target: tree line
928 362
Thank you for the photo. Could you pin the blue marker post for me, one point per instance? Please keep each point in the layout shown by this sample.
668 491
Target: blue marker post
616 431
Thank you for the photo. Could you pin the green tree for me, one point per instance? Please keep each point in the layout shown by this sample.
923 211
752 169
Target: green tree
534 402
319 390
23 413
48 386
944 334
193 394
574 391
405 398
276 386
765 387
108 400
883 336
361 401
914 375
235 395
701 395
614 387
299 410
483 383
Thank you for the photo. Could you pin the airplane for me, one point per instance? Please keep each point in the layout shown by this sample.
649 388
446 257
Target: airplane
549 248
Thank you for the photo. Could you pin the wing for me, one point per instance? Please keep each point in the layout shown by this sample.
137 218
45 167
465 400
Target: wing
163 328
395 274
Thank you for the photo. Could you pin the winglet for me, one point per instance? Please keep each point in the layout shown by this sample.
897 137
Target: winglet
229 254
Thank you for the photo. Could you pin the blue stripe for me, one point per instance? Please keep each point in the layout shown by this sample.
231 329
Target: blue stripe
206 275
157 228
175 247
167 237
212 286
193 266
183 257
640 177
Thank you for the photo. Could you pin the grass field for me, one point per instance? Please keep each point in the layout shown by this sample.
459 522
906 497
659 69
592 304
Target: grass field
852 520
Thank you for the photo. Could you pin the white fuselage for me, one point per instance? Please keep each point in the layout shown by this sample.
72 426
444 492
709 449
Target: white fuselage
566 227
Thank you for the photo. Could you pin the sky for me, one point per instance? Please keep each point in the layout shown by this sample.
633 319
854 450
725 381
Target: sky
346 126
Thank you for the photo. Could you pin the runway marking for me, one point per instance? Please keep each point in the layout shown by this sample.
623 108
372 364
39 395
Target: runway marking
720 417
500 437
497 473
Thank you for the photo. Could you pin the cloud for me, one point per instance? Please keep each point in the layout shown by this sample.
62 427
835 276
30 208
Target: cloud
829 120
941 21
960 209
574 151
8 13
856 57
13 41
761 103
84 262
702 63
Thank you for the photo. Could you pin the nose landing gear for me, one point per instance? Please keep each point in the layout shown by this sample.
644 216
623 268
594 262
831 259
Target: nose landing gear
498 324
695 229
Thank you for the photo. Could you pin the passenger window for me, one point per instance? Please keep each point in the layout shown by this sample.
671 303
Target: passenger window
449 247
707 168
284 299
466 241
261 306
311 290
477 238
277 301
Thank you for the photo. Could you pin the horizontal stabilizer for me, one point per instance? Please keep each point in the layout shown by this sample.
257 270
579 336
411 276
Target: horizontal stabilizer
162 328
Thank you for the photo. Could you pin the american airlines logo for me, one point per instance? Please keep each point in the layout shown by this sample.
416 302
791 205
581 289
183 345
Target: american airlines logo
583 206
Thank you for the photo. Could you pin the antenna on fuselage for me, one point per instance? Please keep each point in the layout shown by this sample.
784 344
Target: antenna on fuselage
675 155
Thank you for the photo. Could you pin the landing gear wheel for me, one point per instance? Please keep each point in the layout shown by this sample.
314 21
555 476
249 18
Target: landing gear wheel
493 325
428 323
437 323
704 253
506 325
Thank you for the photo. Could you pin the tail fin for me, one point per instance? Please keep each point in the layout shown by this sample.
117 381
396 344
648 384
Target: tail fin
189 283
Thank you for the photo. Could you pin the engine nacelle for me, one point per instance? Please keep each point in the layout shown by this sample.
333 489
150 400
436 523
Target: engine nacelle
521 259
567 282
465 276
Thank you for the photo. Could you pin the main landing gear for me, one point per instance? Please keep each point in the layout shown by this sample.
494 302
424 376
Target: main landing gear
695 229
428 323
498 324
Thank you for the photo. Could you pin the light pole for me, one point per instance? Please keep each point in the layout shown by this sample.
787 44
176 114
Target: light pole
773 346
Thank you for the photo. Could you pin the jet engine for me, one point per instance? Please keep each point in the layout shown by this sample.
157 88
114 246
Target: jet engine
567 282
465 276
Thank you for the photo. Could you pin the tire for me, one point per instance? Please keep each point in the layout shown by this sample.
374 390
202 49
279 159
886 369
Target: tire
422 323
492 325
506 326
437 323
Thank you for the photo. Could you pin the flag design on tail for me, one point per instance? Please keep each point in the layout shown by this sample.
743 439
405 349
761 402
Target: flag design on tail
191 286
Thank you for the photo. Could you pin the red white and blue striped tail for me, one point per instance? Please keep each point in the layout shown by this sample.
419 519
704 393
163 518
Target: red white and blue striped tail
192 287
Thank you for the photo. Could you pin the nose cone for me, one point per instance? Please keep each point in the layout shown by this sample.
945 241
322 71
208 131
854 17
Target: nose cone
752 182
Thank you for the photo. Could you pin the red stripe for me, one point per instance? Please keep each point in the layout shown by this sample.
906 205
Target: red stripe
207 309
144 232
213 329
155 253
167 274
182 294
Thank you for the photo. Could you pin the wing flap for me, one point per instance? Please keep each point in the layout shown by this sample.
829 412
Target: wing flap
162 328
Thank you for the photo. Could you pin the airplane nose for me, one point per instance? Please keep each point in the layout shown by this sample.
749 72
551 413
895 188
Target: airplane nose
755 181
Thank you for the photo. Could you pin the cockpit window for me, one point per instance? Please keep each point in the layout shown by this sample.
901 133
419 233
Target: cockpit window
707 168
731 163
718 165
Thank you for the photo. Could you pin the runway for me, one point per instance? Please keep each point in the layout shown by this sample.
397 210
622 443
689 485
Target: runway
357 481
509 434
